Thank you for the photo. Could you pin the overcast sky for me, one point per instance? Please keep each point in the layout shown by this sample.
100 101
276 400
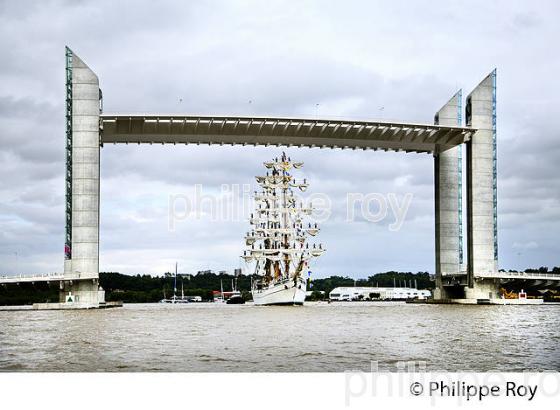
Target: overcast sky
273 58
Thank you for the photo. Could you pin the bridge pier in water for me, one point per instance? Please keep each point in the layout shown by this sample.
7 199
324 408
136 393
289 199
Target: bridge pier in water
82 293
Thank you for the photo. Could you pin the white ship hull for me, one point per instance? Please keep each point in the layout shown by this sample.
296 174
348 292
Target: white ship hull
285 293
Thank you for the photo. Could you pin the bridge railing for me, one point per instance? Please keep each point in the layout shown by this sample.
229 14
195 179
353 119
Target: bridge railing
508 275
46 277
31 278
520 275
40 275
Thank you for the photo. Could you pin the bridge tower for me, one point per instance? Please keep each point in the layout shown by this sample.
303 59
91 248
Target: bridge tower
81 250
448 200
478 281
482 224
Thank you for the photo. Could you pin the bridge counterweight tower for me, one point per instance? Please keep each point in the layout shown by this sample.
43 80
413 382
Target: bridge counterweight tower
448 200
81 265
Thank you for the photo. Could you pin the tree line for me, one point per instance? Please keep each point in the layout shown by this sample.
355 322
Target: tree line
151 289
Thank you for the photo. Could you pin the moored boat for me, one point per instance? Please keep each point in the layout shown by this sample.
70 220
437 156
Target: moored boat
175 299
235 298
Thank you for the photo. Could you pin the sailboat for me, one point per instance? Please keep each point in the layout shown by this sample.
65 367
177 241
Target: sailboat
220 299
175 299
235 298
277 243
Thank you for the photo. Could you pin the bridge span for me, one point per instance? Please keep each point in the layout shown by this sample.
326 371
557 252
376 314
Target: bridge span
278 131
508 275
454 282
48 277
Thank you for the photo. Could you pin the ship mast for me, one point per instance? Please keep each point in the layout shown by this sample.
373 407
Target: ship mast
285 217
278 236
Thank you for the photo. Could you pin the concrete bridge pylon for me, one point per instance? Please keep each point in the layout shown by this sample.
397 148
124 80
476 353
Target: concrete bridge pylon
81 249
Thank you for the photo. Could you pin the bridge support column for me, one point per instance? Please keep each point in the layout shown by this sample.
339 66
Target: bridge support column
82 293
83 107
482 235
448 200
82 162
483 289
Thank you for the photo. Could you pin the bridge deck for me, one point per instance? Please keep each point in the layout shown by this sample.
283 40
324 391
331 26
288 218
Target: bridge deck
510 275
51 277
521 275
323 133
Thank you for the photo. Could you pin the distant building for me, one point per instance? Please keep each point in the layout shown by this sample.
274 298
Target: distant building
377 293
237 272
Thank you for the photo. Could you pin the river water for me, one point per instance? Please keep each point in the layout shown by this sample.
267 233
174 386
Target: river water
333 337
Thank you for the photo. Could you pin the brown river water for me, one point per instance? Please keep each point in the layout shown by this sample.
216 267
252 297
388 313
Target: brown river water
335 337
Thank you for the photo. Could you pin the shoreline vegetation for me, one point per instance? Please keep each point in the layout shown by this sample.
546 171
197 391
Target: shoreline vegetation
151 289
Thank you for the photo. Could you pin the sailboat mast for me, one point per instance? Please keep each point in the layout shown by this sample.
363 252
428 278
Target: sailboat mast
285 218
175 281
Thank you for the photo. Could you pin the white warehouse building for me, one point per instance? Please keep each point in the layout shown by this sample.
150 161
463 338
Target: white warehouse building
377 293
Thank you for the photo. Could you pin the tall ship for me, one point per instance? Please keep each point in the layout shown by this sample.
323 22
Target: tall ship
277 244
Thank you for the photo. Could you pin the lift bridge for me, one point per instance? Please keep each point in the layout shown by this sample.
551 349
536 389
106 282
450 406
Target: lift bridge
473 125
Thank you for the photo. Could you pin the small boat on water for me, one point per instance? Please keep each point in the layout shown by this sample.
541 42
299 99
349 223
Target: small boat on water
220 298
236 297
233 297
175 299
